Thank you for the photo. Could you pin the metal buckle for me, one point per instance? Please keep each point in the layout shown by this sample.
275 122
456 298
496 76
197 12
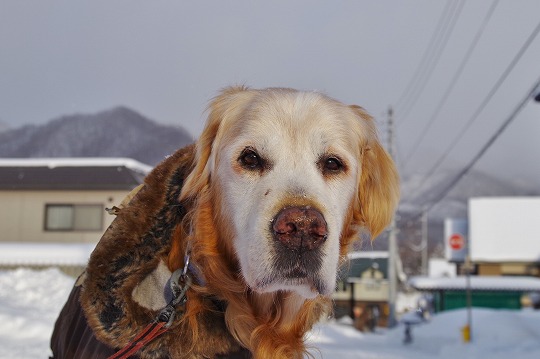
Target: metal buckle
179 283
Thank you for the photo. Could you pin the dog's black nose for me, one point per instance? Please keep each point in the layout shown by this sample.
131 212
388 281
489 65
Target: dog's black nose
300 228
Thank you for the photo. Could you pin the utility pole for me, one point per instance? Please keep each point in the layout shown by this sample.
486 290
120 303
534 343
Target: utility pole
392 241
424 242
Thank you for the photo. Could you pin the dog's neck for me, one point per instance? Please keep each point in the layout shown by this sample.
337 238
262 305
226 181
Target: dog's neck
265 323
285 305
290 303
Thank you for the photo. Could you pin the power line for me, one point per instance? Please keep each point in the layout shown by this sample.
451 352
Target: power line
430 52
433 61
427 53
486 146
431 67
453 81
479 110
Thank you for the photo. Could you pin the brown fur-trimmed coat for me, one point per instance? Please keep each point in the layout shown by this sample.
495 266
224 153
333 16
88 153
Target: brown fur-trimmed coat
125 283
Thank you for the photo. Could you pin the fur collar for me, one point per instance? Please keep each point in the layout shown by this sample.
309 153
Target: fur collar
125 283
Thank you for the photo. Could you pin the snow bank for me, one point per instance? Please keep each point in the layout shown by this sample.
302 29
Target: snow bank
31 300
68 254
29 304
496 334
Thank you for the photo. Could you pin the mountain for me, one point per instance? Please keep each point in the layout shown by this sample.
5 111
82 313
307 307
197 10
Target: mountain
3 126
118 132
417 192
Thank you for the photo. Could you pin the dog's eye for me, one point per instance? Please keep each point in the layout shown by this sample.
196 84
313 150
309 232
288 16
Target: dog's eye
332 165
249 159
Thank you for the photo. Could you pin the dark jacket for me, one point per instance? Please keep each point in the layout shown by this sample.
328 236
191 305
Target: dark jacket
125 284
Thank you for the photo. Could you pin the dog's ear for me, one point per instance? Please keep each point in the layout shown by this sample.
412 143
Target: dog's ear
221 109
379 181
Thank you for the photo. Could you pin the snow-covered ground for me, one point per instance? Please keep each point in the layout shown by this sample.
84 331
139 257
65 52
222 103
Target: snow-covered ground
31 300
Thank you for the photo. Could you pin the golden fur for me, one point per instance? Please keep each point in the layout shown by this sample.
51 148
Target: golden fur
270 325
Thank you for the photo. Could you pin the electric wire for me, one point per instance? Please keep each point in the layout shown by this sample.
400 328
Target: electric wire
435 61
484 149
427 53
434 42
480 108
453 82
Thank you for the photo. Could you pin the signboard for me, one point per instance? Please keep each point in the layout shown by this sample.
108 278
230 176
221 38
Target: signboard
456 233
456 242
505 229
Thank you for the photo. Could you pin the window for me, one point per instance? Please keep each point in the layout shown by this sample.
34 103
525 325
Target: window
341 286
73 217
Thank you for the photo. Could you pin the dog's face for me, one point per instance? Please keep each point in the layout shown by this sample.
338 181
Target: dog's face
286 170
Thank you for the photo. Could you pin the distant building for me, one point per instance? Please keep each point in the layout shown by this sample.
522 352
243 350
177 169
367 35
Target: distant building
505 235
362 289
501 237
52 211
497 292
62 200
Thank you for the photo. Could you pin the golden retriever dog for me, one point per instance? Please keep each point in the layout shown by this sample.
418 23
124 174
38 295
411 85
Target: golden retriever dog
264 207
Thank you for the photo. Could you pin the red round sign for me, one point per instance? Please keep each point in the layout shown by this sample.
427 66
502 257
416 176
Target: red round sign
456 241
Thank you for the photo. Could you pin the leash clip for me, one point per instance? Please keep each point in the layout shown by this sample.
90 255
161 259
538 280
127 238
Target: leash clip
186 264
179 284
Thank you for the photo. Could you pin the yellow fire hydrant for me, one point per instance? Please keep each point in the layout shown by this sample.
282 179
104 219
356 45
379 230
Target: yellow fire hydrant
466 333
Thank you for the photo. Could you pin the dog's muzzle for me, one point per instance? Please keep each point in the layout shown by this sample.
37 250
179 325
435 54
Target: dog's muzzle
300 229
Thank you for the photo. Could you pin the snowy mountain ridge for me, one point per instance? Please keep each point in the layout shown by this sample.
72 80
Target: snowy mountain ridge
118 132
417 192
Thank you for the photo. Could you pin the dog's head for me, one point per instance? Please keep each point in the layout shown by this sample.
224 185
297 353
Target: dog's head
293 177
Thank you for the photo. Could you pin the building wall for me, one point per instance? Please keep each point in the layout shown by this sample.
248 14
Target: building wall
22 214
371 291
496 269
489 269
448 300
364 290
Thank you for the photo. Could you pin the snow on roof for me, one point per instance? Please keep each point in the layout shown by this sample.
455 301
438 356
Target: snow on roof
477 283
74 254
368 254
77 162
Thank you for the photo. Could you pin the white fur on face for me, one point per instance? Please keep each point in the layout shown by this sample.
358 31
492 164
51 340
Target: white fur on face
291 131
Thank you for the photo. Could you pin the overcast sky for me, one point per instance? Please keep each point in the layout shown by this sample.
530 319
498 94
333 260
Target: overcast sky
166 59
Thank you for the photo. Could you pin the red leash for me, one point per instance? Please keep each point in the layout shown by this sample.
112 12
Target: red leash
151 331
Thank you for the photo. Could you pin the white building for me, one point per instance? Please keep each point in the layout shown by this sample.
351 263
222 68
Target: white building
504 235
